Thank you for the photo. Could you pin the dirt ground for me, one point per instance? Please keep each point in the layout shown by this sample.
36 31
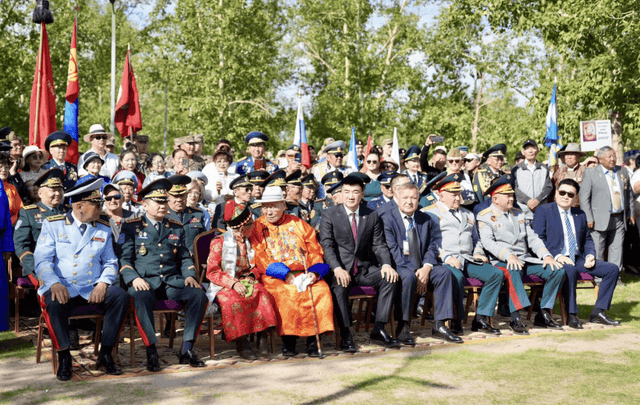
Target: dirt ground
316 381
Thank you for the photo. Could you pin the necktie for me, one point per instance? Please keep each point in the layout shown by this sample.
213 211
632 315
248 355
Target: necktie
414 242
180 216
453 212
83 228
354 231
157 226
571 249
616 194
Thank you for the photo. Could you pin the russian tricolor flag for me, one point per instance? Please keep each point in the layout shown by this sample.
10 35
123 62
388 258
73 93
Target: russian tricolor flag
71 99
300 135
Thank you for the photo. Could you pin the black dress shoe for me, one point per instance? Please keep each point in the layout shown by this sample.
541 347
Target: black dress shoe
289 351
441 331
405 337
603 319
543 319
244 350
289 345
312 347
456 327
65 367
74 340
419 310
347 345
153 364
481 324
380 337
574 322
263 345
106 361
518 327
191 358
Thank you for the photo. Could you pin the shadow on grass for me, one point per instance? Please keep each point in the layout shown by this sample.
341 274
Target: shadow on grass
377 380
12 346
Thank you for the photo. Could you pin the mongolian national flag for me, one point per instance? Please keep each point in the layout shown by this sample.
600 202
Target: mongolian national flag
352 156
300 137
42 109
128 119
71 100
552 139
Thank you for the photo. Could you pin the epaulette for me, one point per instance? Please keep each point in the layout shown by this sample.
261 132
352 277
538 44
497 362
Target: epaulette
173 221
31 207
244 158
514 209
485 211
55 217
431 198
195 209
103 222
255 206
132 220
430 207
294 203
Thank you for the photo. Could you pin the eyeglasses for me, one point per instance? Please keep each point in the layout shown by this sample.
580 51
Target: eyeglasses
371 162
113 197
101 137
567 193
37 155
454 160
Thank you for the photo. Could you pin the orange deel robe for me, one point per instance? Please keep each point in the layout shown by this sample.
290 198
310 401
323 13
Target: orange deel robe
280 242
15 202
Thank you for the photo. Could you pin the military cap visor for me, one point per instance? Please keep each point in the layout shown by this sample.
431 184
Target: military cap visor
256 137
496 150
58 138
294 178
501 186
241 181
179 184
450 183
331 178
88 191
52 178
156 191
257 177
412 153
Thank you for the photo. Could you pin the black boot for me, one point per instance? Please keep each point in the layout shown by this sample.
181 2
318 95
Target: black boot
289 345
65 366
312 347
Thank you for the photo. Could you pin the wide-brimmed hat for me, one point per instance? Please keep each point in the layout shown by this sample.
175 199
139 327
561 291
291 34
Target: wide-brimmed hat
31 149
271 194
95 129
571 148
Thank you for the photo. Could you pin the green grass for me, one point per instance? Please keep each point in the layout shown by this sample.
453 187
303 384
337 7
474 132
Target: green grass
8 396
15 347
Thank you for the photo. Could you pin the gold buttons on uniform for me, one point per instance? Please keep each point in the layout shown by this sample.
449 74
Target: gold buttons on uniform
159 244
90 265
76 256
90 256
75 264
75 273
161 255
90 273
160 266
74 281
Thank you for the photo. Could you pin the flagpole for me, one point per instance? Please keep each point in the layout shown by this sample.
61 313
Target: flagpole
113 67
39 68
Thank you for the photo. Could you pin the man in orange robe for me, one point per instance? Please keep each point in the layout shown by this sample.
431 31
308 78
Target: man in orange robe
282 243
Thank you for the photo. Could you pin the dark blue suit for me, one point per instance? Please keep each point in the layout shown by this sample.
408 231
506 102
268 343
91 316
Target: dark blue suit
547 223
440 277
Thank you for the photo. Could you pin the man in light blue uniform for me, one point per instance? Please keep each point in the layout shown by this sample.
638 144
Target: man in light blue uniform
256 141
76 267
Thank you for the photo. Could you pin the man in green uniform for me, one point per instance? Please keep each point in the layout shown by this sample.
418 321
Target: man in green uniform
495 159
192 219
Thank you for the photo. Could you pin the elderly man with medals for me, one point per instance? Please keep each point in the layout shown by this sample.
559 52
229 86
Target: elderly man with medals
156 265
245 305
285 246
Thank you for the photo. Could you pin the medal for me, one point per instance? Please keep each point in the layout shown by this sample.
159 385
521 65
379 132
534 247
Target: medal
143 250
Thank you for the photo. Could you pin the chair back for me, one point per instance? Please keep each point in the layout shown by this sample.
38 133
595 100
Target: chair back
201 246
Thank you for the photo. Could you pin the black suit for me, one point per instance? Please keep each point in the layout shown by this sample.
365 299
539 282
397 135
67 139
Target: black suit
370 251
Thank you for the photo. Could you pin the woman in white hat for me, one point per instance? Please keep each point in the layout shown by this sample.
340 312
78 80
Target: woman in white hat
34 159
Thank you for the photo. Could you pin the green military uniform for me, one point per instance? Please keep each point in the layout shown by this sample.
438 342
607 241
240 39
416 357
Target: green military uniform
27 231
192 221
482 180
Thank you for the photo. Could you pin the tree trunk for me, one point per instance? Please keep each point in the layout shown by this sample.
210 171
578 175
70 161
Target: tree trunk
616 135
476 120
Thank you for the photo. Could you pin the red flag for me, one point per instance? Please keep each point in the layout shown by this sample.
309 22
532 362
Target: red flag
42 109
369 146
128 119
72 102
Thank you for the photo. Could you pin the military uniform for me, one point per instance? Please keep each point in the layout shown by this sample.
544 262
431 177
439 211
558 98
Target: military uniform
78 262
27 232
162 259
247 164
309 213
503 234
460 240
482 180
192 222
377 202
69 169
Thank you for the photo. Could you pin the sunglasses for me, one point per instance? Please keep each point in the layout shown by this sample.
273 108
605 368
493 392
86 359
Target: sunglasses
101 137
338 155
37 155
372 161
567 193
468 160
454 160
113 197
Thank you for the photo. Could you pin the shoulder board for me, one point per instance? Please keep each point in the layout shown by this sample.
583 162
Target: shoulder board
485 211
55 217
103 222
132 220
195 209
514 209
244 158
31 207
431 198
431 207
173 221
256 205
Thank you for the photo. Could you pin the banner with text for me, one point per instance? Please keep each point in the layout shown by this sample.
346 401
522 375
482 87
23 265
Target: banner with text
595 134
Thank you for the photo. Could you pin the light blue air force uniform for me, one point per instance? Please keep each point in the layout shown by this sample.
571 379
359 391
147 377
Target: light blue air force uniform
64 255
